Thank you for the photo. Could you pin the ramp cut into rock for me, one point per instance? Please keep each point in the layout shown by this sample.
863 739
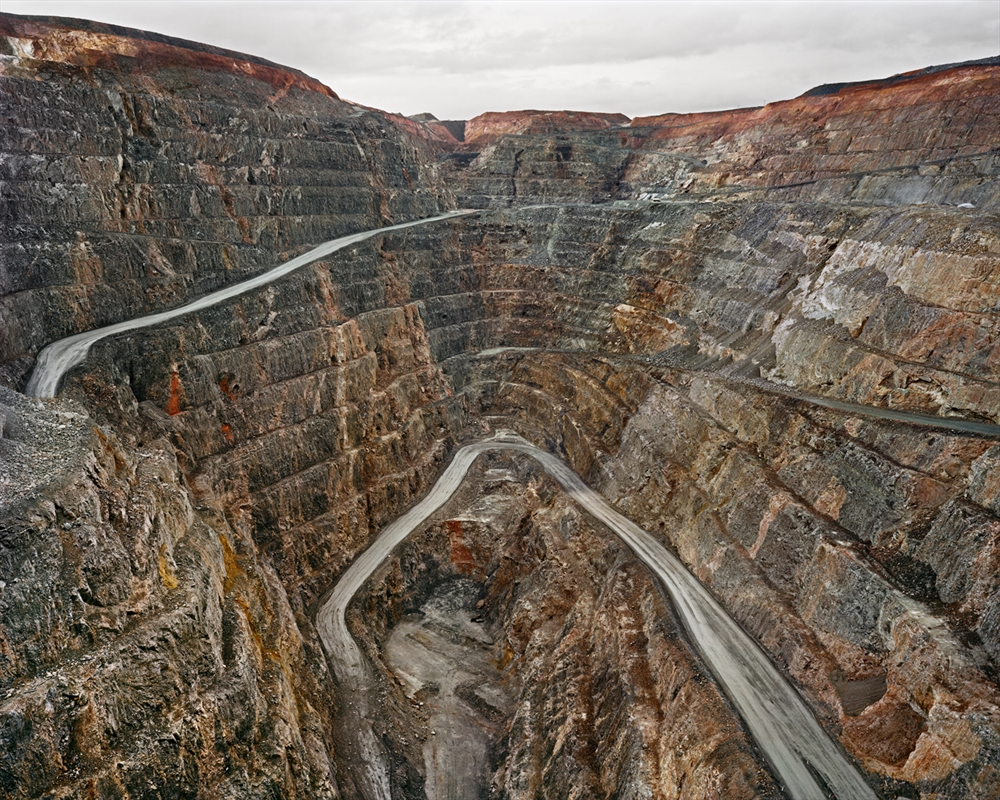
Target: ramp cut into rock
57 358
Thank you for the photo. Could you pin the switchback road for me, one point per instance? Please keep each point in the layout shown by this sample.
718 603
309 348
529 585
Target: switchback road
805 760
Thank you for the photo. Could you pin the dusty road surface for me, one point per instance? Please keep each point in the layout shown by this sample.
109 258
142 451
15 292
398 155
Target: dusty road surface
807 762
60 356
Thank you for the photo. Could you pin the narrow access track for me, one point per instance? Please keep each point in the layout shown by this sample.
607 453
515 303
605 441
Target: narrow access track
57 358
805 760
960 424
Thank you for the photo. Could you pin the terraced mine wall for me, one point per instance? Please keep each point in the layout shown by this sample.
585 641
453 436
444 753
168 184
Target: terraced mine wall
592 678
655 301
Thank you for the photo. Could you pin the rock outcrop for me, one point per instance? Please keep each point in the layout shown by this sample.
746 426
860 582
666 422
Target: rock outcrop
490 126
661 302
142 174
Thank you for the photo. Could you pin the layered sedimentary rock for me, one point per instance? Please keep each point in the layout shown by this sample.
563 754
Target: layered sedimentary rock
593 679
141 174
170 522
490 126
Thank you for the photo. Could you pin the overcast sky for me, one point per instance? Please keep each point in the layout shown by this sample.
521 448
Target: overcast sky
459 59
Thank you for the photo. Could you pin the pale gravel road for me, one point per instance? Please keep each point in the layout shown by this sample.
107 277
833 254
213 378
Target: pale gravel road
805 760
59 357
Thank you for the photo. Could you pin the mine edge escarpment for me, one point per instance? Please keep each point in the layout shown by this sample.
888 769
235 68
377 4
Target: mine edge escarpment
635 298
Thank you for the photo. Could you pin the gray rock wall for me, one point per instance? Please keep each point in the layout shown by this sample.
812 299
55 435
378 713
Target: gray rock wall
165 548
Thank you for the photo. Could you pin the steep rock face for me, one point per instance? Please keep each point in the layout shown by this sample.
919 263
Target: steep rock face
146 651
315 412
826 559
490 126
928 139
827 299
598 678
542 168
657 343
140 174
183 171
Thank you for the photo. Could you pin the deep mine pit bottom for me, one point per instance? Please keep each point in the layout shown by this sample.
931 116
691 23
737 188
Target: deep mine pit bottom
442 656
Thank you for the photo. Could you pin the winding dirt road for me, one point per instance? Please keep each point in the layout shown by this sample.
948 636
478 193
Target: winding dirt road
807 762
59 357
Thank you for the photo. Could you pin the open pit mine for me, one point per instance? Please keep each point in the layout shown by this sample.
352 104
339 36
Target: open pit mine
538 456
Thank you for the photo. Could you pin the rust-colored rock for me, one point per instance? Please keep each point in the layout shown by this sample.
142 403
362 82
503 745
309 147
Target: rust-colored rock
97 45
490 126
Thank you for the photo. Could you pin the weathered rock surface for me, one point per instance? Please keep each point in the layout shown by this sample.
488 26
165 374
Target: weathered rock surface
491 125
595 680
139 174
146 650
169 523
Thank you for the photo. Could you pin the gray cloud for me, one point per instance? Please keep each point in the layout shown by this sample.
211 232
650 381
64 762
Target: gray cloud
458 59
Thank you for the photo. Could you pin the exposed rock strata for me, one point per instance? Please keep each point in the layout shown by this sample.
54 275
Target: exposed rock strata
595 662
490 126
147 651
140 175
162 551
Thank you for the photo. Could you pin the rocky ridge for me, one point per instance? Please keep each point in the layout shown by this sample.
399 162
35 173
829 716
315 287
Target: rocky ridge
657 326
